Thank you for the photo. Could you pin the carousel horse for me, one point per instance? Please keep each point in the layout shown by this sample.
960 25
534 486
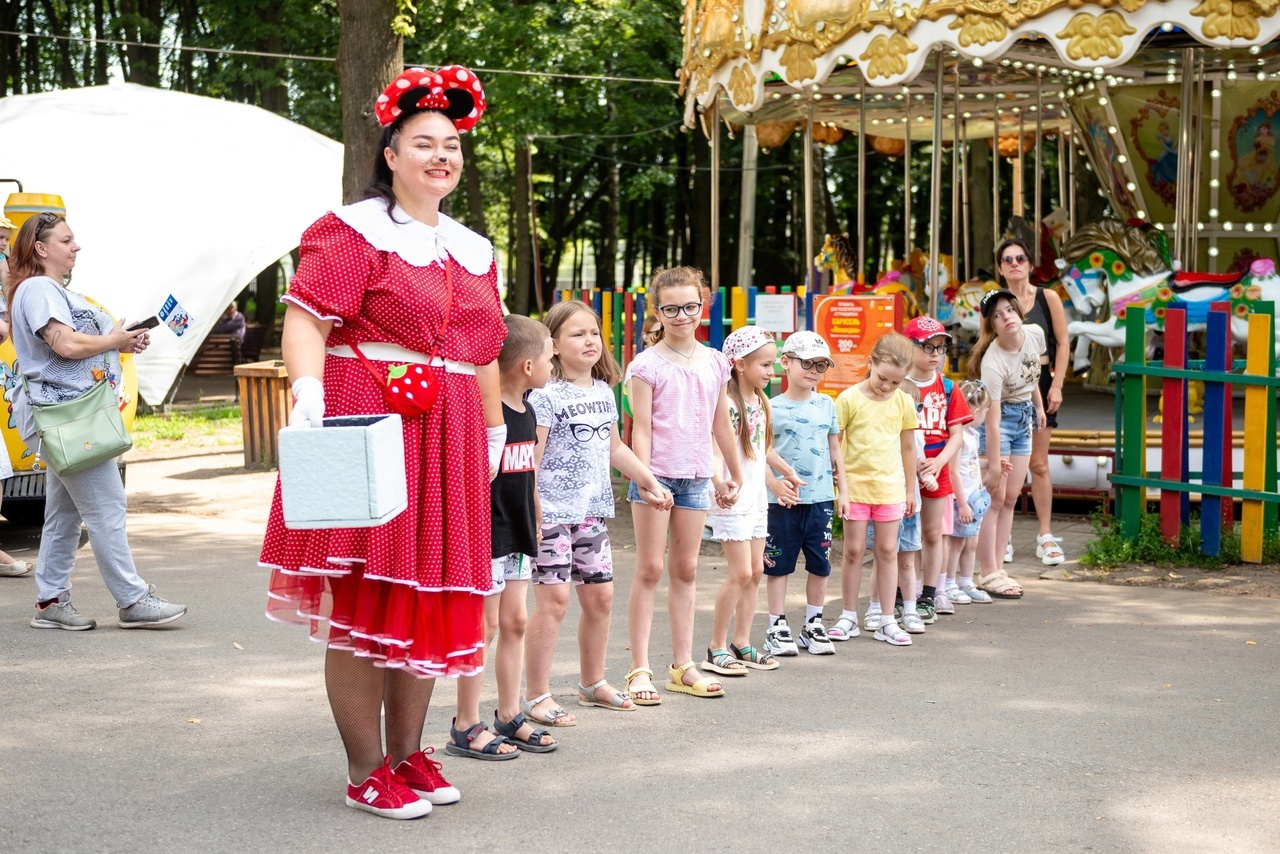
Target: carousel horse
837 258
1119 267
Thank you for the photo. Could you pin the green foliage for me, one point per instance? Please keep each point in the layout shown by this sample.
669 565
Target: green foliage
214 425
1109 548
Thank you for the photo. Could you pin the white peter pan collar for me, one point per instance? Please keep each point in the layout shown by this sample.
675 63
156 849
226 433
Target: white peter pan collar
416 242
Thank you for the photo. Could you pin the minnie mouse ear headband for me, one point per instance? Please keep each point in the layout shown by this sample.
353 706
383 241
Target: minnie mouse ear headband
744 341
453 90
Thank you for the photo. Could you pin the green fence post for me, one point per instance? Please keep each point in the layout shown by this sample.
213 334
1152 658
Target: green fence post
1132 443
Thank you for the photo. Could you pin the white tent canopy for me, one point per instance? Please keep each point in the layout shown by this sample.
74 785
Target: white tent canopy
169 193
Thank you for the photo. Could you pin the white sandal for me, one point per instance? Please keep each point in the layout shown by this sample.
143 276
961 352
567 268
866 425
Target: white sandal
1048 550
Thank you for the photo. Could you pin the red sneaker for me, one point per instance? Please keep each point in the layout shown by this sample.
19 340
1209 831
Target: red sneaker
386 795
422 774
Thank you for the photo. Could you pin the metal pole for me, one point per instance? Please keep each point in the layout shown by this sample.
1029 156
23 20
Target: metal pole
747 211
1197 163
906 180
808 201
1062 169
1184 220
995 184
955 179
1071 180
862 178
715 196
1020 172
964 194
935 196
1039 164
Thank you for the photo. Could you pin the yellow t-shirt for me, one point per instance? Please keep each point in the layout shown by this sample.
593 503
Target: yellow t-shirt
871 440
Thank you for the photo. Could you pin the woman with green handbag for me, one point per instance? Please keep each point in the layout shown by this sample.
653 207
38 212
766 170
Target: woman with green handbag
67 350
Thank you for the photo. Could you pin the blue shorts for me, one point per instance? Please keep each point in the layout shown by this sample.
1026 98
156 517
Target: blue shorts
690 493
980 503
1017 423
804 527
908 534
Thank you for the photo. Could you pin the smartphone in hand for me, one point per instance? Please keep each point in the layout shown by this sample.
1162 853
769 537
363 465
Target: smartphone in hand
150 323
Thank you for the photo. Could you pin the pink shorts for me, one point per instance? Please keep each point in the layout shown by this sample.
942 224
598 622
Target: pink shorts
876 512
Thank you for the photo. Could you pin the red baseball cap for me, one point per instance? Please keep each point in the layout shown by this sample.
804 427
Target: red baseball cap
921 329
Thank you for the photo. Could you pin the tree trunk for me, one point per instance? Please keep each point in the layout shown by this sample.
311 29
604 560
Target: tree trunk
100 51
370 56
631 247
143 21
981 241
521 297
611 214
701 231
475 195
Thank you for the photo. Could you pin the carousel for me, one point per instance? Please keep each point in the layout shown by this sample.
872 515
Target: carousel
1173 106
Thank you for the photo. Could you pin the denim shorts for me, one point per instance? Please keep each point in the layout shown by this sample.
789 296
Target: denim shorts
690 493
792 530
908 534
1017 423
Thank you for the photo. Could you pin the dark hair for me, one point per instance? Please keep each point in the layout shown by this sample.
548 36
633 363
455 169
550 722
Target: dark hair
525 339
1006 243
987 332
379 186
24 263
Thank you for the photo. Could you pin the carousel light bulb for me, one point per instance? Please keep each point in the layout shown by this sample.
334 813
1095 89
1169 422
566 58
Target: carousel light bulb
795 96
1266 226
776 95
1215 93
1171 78
951 116
897 97
1041 67
1099 71
1166 27
1200 226
1213 213
1006 62
1255 50
817 96
1017 110
875 121
1226 226
919 118
1131 186
981 96
977 62
815 88
1214 183
879 96
1248 226
1213 252
1111 129
968 115
1017 63
1122 158
1102 102
1160 226
1092 86
1262 75
838 97
888 121
1231 75
1213 154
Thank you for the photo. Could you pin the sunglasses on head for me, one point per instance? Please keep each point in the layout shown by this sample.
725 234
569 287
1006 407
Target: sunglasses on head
46 221
1014 259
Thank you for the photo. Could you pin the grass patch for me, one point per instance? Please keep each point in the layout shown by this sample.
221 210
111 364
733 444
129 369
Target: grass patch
218 425
1109 548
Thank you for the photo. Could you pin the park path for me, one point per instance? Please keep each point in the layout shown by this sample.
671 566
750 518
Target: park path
1084 717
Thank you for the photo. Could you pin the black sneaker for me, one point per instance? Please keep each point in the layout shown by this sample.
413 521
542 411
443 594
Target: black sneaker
813 637
925 609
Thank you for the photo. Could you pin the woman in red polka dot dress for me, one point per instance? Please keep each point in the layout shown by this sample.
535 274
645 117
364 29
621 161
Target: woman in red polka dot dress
402 603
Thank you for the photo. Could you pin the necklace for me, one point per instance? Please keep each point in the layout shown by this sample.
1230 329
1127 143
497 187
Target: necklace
687 357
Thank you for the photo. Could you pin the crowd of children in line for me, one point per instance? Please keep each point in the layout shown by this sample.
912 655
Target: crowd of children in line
910 461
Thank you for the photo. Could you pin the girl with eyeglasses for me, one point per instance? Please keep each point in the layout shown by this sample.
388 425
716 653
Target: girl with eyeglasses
1041 307
577 444
679 405
741 528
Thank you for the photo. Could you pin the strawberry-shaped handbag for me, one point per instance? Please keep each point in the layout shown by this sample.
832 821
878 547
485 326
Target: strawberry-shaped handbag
411 389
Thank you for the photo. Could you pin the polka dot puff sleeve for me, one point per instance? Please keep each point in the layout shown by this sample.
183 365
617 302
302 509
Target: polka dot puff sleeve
334 265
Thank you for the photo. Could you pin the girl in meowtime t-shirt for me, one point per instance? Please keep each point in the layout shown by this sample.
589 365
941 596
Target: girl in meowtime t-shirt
678 404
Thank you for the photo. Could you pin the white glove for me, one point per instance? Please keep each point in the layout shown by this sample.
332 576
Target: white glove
497 441
308 403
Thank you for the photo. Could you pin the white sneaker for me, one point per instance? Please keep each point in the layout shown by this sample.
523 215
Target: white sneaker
1008 551
813 637
942 603
778 640
891 633
976 596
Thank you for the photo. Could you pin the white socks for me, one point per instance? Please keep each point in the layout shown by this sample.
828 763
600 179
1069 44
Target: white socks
811 611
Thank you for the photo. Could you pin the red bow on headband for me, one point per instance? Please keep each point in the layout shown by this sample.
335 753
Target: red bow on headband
453 90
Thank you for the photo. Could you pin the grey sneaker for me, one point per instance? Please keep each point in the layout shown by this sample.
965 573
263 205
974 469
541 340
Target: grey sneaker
62 615
150 611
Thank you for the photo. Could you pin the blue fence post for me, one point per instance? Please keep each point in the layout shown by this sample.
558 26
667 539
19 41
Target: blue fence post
1212 459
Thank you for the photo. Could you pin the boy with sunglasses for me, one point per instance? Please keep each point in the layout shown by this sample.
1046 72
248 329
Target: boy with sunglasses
807 437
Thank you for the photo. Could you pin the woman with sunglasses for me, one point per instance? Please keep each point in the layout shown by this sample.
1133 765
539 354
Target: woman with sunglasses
393 278
65 346
1041 307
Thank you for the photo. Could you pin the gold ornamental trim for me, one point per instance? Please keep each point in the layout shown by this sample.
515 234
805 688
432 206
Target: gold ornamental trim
887 55
1096 36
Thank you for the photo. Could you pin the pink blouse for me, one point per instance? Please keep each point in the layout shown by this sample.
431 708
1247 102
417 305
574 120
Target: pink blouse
684 409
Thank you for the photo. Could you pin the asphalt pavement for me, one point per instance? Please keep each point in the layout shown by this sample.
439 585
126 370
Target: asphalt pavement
1081 718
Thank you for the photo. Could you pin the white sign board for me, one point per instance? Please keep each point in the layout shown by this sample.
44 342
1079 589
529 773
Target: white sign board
776 312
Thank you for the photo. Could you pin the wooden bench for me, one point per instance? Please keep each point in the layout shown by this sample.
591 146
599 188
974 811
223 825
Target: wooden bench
217 356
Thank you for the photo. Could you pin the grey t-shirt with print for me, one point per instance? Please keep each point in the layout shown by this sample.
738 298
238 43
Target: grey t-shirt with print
53 378
573 480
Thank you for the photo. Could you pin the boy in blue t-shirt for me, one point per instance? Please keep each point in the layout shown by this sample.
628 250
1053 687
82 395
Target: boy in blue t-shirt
806 436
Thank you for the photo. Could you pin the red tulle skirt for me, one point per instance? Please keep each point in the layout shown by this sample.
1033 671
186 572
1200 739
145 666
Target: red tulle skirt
388 593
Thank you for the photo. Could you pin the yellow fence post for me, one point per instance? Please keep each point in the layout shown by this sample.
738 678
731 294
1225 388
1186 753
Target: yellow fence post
1255 438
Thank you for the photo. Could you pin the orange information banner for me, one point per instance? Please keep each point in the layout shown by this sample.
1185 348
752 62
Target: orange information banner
851 326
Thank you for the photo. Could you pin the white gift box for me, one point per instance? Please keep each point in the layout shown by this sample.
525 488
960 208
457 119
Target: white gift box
349 473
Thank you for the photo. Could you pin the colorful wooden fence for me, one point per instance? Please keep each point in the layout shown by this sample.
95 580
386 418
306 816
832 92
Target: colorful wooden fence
1216 482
